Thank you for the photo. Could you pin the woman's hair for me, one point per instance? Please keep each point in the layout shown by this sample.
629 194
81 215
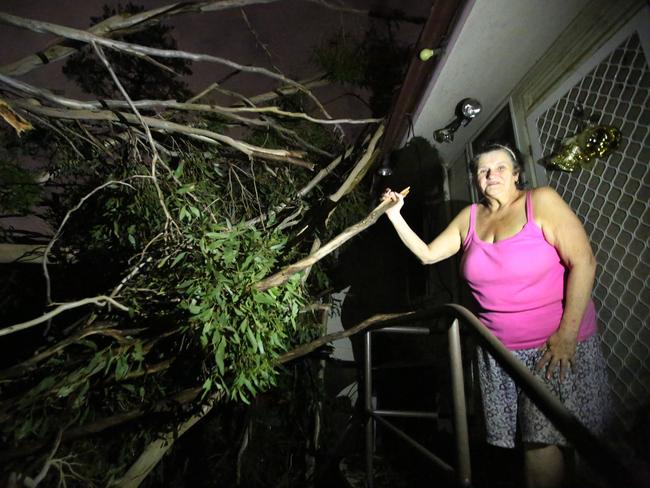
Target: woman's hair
513 153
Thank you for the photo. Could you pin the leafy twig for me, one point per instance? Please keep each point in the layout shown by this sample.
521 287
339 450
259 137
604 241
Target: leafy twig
48 291
154 151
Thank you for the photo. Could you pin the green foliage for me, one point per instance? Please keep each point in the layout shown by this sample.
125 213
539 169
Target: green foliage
376 62
241 330
278 427
343 59
193 308
181 254
18 189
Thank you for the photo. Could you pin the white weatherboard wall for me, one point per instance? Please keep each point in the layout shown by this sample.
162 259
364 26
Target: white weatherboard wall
612 198
493 47
543 57
342 347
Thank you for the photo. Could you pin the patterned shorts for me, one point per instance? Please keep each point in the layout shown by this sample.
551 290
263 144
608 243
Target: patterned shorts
510 415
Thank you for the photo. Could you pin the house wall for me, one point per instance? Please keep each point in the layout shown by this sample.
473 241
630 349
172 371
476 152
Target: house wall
611 199
601 62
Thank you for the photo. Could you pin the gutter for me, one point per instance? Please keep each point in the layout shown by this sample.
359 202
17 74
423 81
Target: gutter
435 35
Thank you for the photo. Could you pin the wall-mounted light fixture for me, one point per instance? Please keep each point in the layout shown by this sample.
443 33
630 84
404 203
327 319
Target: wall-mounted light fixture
385 168
466 110
384 171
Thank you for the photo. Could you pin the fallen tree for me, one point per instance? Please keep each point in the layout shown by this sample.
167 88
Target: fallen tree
189 222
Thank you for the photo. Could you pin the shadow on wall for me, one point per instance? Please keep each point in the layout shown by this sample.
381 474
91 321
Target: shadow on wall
384 277
382 274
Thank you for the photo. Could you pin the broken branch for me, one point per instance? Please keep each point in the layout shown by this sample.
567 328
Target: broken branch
100 300
286 273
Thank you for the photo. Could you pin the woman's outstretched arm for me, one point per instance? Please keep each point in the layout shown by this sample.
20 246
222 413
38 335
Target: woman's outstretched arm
446 244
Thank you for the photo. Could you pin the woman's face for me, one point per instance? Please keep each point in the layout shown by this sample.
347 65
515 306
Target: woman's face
495 173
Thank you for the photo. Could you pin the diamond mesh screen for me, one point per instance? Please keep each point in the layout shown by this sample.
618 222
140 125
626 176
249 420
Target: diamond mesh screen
611 200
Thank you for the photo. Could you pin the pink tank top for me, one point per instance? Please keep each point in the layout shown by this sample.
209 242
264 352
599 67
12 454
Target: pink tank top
519 283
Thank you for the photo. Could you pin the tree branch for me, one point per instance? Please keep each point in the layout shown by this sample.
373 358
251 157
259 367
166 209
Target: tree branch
306 189
122 24
173 104
292 157
286 273
48 461
97 426
314 82
137 50
155 156
305 349
29 364
361 168
258 41
99 300
155 450
397 16
48 290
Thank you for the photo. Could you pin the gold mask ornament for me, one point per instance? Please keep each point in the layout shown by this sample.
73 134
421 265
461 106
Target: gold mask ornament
596 141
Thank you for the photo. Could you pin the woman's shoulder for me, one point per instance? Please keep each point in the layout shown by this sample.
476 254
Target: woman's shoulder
546 203
545 198
544 193
461 220
463 215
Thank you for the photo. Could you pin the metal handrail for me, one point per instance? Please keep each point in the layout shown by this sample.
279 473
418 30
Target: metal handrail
602 458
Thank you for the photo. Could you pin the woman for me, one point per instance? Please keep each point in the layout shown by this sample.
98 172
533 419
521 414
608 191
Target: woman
529 265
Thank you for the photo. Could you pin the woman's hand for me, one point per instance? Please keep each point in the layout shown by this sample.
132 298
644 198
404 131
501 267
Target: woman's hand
558 352
393 196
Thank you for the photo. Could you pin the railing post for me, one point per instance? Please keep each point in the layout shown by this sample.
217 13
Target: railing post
367 396
463 467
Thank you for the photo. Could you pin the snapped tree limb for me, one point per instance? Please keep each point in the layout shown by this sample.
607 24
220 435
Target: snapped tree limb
13 119
174 105
292 157
361 168
155 450
286 273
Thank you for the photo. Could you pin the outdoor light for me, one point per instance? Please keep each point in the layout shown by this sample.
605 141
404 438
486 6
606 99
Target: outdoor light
466 110
427 54
385 167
